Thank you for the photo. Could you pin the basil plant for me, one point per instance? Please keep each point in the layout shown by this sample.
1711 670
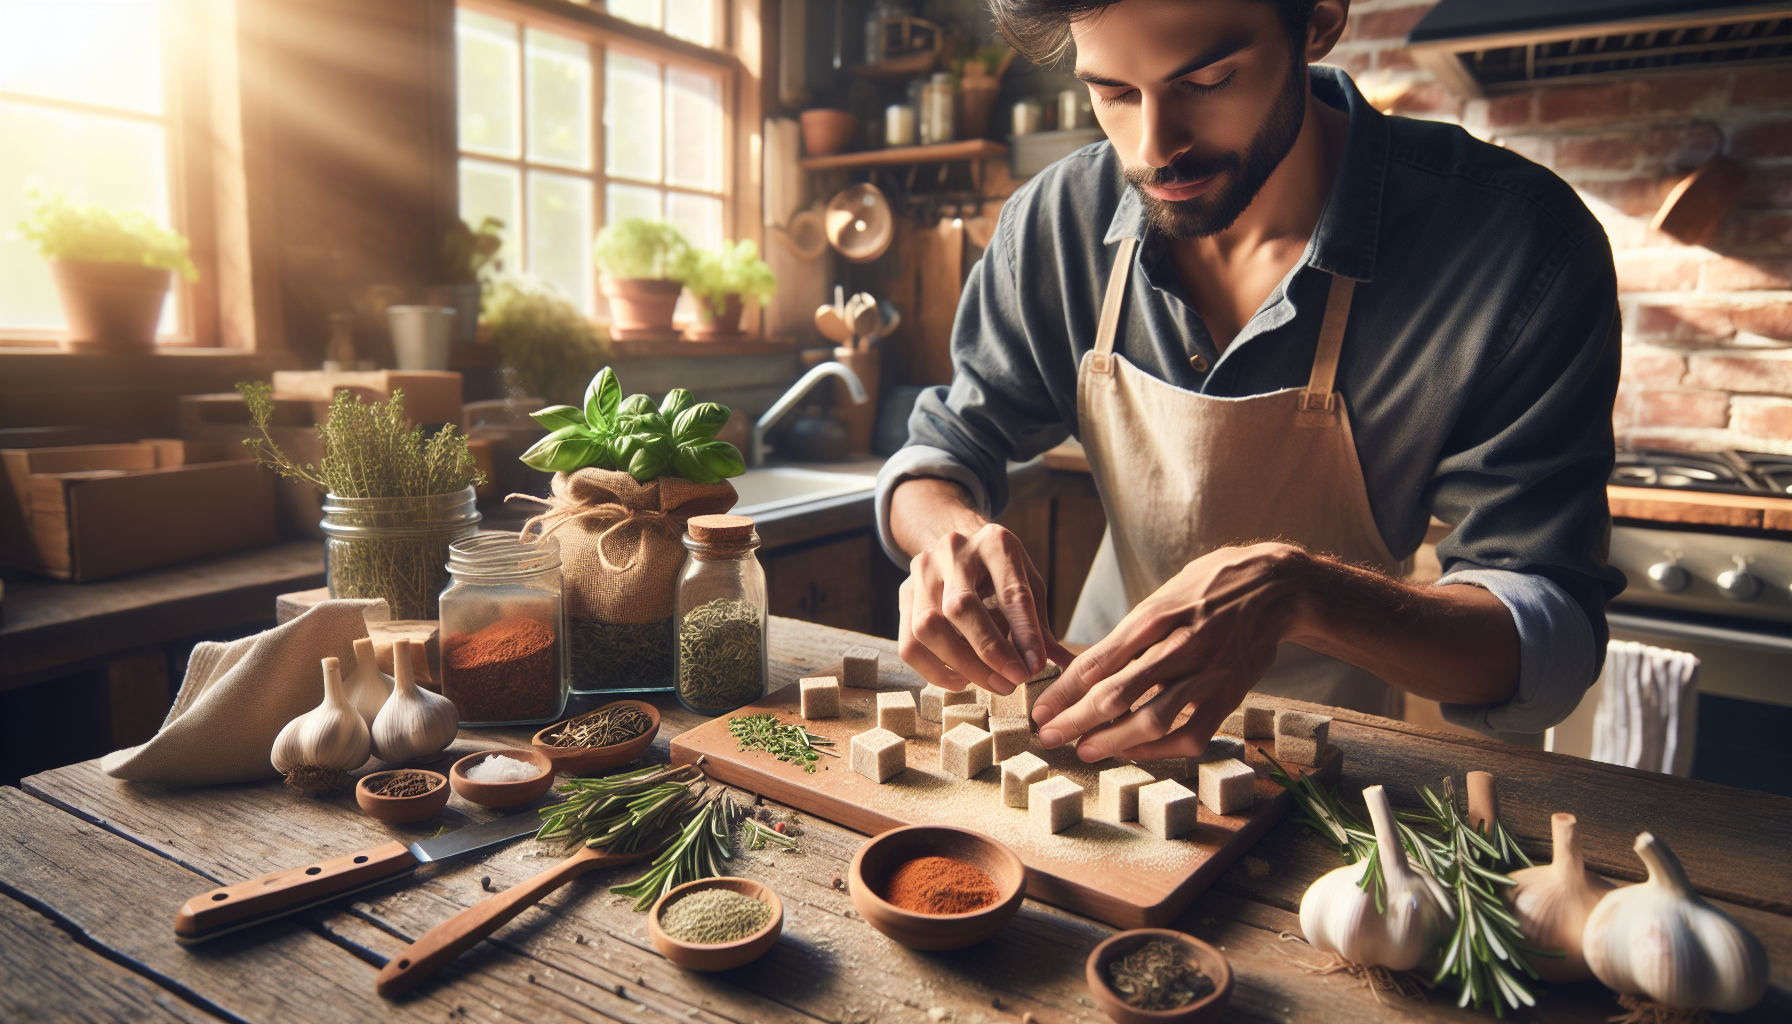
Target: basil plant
646 441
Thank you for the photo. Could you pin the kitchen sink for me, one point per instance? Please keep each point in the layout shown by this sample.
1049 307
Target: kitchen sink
775 487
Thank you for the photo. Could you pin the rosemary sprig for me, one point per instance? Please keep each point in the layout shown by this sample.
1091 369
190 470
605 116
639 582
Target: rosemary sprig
791 743
706 836
630 811
757 836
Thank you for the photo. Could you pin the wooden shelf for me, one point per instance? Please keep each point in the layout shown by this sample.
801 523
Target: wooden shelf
939 152
680 347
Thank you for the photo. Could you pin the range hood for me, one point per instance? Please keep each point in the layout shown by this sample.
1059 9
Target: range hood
1478 47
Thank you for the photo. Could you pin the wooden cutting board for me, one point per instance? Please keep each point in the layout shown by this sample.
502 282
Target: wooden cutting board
1111 871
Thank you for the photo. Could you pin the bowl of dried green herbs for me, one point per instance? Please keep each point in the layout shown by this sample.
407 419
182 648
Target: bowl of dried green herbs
606 737
1159 976
716 924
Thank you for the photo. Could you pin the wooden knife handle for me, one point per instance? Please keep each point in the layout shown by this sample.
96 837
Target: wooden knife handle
268 895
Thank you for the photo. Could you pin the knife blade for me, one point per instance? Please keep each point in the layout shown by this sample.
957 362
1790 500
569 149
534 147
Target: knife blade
246 904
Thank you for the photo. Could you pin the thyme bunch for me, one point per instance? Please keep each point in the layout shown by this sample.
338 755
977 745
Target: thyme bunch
370 449
791 743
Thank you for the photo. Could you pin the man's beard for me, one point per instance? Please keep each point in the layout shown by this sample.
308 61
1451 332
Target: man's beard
1243 176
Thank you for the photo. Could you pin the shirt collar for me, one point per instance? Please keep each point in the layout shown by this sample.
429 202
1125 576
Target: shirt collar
1344 242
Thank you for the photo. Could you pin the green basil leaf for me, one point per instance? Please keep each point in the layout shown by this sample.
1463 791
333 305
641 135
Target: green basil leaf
699 423
648 462
676 401
720 458
689 466
636 405
563 454
601 398
554 417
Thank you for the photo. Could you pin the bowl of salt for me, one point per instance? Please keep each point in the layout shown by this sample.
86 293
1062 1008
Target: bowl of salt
503 778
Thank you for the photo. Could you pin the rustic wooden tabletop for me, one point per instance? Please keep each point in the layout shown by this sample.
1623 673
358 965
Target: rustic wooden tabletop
93 871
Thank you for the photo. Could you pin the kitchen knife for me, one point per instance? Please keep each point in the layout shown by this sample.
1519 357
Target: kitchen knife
245 904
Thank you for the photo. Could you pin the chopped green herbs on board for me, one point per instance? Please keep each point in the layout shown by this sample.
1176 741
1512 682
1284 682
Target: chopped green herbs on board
791 743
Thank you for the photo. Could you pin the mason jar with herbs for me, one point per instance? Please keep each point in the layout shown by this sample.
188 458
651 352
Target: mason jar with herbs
721 616
504 631
393 547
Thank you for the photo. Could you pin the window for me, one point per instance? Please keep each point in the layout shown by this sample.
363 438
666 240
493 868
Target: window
565 129
82 112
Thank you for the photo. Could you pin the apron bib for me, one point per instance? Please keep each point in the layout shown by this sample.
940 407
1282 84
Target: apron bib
1181 474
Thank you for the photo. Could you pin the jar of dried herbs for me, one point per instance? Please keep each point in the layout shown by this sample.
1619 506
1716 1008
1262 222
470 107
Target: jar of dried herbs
394 547
504 631
721 616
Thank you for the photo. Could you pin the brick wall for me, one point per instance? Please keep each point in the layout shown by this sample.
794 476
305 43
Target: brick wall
1707 329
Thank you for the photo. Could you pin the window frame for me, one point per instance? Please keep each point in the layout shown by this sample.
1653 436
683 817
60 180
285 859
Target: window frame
602 32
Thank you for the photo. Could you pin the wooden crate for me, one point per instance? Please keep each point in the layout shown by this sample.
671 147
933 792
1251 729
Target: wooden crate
430 396
89 512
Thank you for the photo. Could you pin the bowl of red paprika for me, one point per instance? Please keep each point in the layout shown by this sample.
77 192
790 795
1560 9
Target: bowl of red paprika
935 886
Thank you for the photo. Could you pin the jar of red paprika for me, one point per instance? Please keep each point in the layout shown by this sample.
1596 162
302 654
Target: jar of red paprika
721 616
504 631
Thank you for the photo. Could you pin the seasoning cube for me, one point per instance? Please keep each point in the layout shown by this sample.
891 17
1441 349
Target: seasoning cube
879 754
935 699
965 751
1018 775
896 712
1019 704
1220 748
964 714
1255 720
1010 736
820 697
859 665
1300 736
1117 792
1055 804
1167 809
1228 787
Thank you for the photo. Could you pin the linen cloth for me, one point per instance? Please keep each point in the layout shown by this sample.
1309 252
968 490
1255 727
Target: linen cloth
1648 708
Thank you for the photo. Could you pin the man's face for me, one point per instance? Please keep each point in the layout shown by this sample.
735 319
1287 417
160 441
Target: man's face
1201 98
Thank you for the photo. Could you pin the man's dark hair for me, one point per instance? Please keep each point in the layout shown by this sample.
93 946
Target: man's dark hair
1040 29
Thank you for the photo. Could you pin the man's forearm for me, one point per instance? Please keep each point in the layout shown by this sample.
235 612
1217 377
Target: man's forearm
924 508
1455 644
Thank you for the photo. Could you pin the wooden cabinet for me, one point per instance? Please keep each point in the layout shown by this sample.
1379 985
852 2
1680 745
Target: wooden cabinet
1058 516
843 581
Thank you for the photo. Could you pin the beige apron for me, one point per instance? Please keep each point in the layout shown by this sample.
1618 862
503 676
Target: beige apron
1181 474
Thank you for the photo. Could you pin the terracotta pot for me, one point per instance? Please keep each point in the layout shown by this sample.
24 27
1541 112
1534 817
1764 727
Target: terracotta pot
718 325
976 102
826 132
641 304
110 307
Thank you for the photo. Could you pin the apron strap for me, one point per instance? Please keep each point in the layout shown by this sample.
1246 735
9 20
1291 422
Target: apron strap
1319 394
1102 359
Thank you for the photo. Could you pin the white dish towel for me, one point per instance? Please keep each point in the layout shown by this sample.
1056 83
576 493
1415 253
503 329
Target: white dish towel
1648 708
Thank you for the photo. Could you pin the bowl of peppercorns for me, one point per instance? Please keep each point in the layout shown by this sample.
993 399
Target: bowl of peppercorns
403 796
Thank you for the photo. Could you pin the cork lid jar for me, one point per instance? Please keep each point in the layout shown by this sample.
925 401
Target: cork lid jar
721 603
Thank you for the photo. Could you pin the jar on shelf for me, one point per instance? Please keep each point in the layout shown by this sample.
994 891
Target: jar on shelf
721 616
504 631
394 548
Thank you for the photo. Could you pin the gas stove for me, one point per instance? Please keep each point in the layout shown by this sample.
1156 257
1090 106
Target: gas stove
1719 472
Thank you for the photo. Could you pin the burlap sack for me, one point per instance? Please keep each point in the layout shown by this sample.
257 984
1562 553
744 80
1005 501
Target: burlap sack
622 542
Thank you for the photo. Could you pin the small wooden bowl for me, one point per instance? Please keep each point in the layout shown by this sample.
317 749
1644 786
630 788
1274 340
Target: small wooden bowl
578 760
400 810
1208 959
878 859
498 795
726 955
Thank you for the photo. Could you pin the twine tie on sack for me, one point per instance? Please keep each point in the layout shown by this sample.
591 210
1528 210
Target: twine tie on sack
556 517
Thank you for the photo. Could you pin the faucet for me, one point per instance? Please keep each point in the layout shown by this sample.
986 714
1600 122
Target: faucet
756 435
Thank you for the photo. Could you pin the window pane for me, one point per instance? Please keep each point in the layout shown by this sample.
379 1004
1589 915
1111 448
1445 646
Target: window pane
699 217
631 117
487 63
88 158
641 12
624 201
104 52
692 19
694 120
560 234
493 190
559 100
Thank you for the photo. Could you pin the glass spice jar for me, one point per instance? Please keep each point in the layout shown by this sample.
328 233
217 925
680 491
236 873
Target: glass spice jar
394 547
504 631
721 616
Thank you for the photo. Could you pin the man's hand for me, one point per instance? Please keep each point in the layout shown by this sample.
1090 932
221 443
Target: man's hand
1204 638
972 607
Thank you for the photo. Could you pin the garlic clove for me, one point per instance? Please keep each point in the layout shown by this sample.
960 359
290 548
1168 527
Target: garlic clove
1338 916
414 723
316 750
368 688
1552 903
1662 940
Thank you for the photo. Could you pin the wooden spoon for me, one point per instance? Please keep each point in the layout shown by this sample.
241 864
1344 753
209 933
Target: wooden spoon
831 325
461 932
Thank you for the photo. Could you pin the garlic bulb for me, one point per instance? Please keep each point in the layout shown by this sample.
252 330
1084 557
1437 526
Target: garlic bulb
1339 917
1552 903
368 687
414 723
1660 939
316 750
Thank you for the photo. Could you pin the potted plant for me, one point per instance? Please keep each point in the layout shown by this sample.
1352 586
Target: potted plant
628 475
112 268
718 280
465 252
546 344
638 258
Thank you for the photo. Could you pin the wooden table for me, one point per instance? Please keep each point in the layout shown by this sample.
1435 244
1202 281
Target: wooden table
93 871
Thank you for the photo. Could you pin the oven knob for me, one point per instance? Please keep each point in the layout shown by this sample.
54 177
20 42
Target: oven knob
1668 576
1739 584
